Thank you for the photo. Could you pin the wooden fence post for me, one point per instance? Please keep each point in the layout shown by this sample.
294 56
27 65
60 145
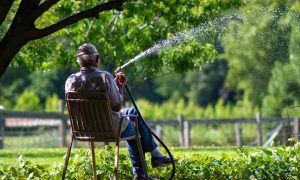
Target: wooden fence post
258 130
181 133
2 127
296 129
238 134
186 132
62 125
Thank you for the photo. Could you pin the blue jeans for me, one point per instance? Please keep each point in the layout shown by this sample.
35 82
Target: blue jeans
147 141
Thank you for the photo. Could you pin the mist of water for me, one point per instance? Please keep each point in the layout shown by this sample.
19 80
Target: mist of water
205 32
200 33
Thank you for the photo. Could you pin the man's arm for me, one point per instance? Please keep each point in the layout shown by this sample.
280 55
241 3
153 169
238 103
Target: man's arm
115 91
120 81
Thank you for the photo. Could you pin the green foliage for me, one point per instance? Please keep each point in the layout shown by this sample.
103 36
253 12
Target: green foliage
47 82
171 109
253 46
26 170
12 85
43 83
186 57
263 55
198 87
120 36
6 24
28 100
218 135
266 163
245 108
283 89
52 103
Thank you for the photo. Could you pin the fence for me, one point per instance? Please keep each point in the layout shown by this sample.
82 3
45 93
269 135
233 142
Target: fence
185 128
10 119
31 121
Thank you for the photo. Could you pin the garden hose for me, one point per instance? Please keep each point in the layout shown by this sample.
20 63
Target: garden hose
156 137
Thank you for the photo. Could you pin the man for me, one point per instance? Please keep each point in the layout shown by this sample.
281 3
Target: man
90 78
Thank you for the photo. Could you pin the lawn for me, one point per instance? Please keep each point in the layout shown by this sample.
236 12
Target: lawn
56 155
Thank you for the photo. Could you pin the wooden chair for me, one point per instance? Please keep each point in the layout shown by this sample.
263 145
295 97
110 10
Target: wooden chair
91 120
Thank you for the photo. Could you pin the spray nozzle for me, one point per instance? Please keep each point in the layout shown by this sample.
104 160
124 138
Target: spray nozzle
119 69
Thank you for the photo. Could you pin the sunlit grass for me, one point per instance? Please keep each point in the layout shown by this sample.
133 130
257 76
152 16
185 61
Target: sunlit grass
56 155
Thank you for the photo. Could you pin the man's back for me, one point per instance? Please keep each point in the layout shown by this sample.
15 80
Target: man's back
92 79
88 79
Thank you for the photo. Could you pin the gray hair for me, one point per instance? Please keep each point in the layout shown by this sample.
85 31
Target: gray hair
86 54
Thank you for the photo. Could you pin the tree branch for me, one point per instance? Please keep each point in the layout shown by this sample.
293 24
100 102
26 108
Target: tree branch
5 6
45 6
93 12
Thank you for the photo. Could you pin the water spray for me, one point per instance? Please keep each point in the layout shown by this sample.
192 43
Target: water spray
200 33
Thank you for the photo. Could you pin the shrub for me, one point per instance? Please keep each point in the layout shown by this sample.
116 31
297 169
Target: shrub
28 100
265 163
52 103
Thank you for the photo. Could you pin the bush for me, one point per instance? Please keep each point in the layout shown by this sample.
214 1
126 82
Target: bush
171 109
28 100
265 163
52 103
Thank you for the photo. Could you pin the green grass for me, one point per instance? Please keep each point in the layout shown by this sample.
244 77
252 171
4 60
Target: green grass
56 155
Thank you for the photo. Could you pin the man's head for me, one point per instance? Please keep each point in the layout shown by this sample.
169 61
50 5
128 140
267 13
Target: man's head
87 55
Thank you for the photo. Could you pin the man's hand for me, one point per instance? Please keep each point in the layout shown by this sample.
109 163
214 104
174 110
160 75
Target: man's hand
120 78
119 69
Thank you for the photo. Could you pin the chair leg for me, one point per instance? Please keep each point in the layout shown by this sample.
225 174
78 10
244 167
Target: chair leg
141 153
67 157
116 161
93 160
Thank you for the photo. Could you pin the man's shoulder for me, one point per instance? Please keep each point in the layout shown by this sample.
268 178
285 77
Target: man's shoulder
96 71
93 74
73 75
104 73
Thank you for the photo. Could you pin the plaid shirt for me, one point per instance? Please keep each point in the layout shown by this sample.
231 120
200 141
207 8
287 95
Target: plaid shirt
92 79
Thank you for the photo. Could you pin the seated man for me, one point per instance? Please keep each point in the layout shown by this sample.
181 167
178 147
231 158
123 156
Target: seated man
90 78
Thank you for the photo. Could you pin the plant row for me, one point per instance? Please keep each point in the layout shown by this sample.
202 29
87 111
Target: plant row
265 163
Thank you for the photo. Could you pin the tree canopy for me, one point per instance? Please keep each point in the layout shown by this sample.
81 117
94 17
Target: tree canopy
262 54
240 51
119 35
23 21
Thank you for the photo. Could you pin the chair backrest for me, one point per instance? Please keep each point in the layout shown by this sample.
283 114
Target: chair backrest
90 116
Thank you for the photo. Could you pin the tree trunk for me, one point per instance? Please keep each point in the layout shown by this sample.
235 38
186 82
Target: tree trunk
9 47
